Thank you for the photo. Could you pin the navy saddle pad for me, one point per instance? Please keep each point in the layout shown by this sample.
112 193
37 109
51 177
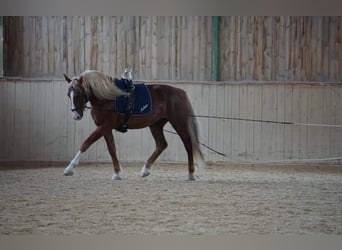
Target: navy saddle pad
142 100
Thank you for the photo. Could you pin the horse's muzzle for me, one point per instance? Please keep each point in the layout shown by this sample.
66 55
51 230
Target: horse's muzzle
76 116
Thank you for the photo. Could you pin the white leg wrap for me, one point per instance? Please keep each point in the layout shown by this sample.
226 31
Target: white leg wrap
145 171
191 177
117 176
69 170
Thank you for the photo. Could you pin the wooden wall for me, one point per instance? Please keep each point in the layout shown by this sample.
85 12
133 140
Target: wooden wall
280 48
302 49
37 125
156 47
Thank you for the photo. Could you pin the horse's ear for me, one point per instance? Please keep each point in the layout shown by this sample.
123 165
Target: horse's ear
67 78
80 80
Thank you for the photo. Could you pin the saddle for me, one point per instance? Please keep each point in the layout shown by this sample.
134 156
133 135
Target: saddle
138 102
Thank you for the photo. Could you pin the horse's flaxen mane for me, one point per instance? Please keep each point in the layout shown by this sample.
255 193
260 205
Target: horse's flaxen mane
102 86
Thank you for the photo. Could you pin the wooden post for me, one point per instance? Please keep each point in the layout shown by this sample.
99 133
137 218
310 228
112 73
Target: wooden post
215 46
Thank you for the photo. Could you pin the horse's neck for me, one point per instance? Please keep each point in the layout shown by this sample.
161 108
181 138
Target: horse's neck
100 104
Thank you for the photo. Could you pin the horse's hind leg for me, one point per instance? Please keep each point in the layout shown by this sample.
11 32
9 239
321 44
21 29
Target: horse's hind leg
181 128
161 145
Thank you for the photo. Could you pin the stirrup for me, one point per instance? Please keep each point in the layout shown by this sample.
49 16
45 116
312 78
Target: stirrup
123 128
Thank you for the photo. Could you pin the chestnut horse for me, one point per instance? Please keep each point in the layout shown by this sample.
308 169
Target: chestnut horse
169 104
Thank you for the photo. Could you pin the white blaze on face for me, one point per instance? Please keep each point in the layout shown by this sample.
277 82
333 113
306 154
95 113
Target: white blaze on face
74 113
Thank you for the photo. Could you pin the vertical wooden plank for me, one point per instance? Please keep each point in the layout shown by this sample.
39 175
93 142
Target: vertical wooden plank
162 49
242 148
44 46
224 46
196 45
54 121
8 98
244 48
307 51
289 34
315 113
212 129
49 137
327 92
280 128
259 41
220 110
250 156
339 49
172 24
288 117
227 149
31 46
300 72
36 122
94 46
325 56
154 46
62 115
332 49
268 130
80 57
303 118
51 46
238 49
70 44
250 46
203 60
282 53
37 70
99 40
142 48
268 52
59 62
3 113
113 45
208 52
296 118
316 44
235 124
87 42
257 126
21 122
106 46
336 118
148 50
7 106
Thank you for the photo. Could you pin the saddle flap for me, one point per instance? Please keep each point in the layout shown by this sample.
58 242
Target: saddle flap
139 100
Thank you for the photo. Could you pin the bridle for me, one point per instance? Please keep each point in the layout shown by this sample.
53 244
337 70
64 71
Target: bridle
83 95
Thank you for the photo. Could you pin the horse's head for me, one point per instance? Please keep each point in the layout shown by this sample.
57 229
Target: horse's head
77 96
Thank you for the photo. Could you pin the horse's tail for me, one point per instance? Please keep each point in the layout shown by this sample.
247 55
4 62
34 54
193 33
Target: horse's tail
194 135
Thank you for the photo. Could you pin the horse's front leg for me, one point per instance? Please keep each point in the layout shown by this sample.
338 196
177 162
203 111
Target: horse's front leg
97 134
108 135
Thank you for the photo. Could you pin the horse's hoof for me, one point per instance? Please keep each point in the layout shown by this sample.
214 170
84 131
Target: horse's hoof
116 177
145 174
68 173
191 178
